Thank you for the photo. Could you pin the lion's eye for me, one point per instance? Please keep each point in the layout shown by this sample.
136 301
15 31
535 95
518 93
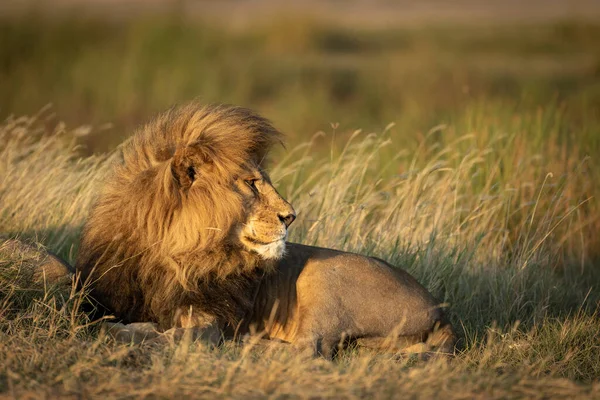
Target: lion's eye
251 183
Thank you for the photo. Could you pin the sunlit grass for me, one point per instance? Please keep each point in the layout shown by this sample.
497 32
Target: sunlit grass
474 214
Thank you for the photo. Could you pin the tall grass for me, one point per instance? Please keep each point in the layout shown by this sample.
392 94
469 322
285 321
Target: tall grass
46 189
477 218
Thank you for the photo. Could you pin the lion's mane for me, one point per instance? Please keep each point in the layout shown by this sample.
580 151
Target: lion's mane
150 245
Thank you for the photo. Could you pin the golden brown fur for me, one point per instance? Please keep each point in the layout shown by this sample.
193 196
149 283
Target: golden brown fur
189 232
318 298
165 222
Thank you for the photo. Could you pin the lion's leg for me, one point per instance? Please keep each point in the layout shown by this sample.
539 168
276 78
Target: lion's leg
134 333
188 327
396 344
440 340
321 331
316 338
317 345
190 322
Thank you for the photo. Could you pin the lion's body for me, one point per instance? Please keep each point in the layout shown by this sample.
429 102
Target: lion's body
321 296
188 231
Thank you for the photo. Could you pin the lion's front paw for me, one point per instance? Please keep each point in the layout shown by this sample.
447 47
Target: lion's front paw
210 335
134 333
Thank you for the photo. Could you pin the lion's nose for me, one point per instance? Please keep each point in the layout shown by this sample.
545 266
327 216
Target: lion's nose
287 219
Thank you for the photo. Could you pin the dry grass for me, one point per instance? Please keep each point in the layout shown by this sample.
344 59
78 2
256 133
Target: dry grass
475 218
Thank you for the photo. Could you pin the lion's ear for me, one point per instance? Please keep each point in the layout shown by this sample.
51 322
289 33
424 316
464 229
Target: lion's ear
187 163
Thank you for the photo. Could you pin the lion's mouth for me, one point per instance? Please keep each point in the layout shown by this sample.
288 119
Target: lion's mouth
261 243
267 250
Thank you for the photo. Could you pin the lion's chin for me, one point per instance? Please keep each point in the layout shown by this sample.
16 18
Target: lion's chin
270 251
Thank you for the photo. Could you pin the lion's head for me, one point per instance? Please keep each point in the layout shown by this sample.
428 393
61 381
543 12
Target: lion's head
244 209
264 230
188 201
225 193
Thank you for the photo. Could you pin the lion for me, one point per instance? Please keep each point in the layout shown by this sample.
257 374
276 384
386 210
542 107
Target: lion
189 232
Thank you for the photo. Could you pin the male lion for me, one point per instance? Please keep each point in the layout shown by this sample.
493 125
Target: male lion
189 232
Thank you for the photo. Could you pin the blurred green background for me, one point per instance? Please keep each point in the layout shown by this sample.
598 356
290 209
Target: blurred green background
305 71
